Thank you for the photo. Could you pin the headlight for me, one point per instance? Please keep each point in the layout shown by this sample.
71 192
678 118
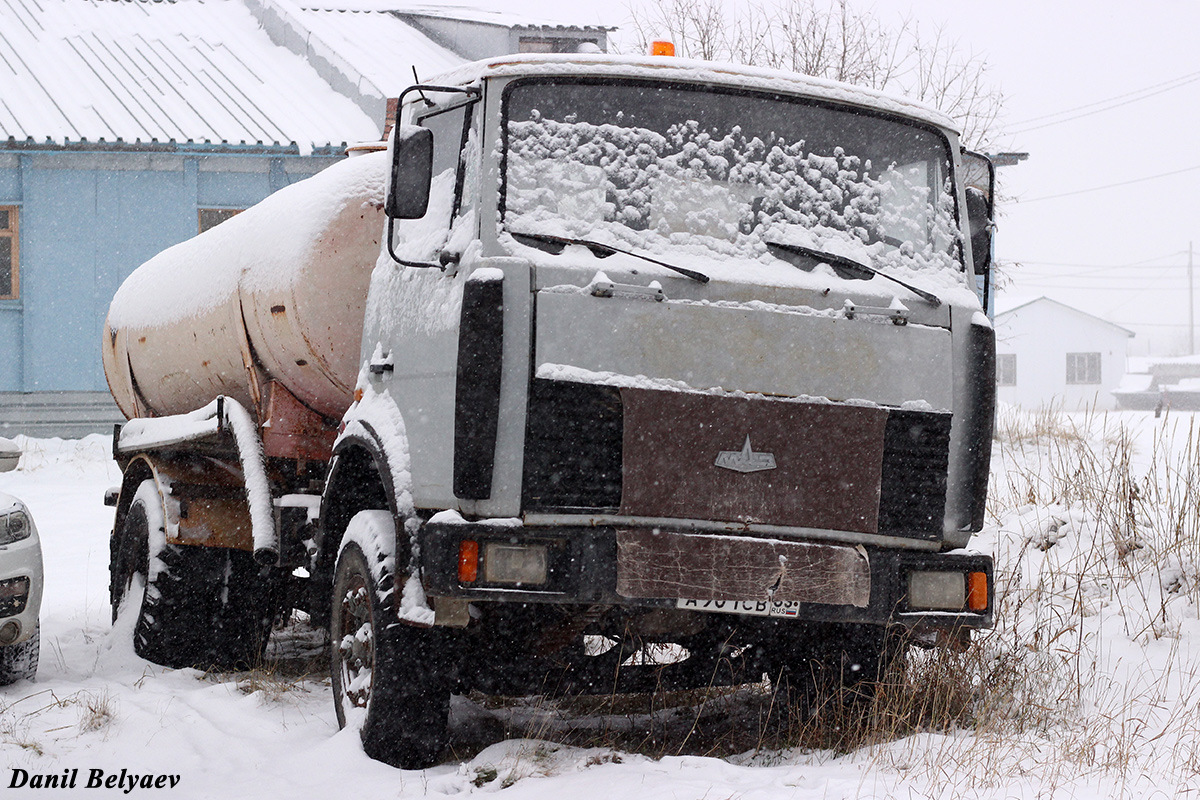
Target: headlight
940 591
14 527
519 564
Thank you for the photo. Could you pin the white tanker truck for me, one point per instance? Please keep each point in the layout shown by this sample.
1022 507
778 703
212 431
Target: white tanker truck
604 353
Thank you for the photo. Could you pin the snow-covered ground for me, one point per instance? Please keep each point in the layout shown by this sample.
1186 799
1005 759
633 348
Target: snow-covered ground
1089 687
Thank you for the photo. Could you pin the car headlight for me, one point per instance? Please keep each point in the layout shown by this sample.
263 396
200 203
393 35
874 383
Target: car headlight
14 527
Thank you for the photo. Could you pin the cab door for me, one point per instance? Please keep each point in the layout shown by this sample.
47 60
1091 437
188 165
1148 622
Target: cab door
410 337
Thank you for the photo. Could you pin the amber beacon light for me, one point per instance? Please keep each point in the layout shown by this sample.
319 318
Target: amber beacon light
660 47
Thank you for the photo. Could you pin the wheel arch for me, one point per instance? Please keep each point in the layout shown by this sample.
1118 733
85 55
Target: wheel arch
360 477
140 468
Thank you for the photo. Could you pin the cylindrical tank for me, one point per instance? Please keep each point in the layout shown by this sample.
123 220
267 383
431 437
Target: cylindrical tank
279 288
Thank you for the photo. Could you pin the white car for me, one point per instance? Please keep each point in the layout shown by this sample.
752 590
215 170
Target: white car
20 591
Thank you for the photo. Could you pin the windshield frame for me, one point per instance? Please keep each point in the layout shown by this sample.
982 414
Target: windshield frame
957 249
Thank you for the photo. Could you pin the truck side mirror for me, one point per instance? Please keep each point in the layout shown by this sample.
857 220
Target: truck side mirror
412 173
980 222
979 177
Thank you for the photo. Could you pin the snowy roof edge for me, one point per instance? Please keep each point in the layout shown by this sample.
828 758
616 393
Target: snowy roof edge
119 145
452 12
1039 299
285 25
529 24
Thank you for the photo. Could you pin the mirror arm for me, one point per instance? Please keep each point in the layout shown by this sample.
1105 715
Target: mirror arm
472 92
392 252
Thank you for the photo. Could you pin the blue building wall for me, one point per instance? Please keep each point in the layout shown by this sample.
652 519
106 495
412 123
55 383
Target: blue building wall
86 220
10 310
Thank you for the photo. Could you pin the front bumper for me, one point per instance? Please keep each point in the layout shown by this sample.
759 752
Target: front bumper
21 586
658 568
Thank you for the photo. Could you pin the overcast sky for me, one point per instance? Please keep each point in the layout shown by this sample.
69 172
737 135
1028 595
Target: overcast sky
1099 93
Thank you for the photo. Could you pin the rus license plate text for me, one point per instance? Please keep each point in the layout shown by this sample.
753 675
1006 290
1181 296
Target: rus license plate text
755 608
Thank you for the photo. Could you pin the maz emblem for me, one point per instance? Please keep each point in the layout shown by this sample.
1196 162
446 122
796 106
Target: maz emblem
745 460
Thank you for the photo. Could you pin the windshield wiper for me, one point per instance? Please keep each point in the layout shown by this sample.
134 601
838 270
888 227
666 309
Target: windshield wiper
599 250
841 263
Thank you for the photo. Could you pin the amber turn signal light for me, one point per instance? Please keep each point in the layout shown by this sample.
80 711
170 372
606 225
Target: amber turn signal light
977 591
662 48
468 561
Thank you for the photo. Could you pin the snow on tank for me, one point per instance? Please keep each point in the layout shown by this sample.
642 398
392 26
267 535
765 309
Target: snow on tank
283 283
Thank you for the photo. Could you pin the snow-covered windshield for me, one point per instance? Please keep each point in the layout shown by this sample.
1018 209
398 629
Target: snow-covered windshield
670 166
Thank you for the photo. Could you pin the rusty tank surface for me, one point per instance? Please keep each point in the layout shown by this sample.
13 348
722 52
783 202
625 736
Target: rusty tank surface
265 308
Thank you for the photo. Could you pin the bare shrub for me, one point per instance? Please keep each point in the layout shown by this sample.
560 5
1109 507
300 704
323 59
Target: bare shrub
833 40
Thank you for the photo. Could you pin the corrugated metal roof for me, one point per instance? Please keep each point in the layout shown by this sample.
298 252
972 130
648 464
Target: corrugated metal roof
380 46
501 15
187 70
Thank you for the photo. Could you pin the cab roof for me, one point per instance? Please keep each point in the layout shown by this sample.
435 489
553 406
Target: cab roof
693 71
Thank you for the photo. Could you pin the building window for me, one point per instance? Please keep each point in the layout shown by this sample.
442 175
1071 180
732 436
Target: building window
1083 368
10 285
212 217
1006 369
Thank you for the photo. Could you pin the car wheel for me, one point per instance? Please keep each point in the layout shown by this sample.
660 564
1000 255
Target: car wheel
20 661
386 676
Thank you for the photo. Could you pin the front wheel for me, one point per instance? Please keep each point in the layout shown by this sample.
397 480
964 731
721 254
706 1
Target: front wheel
386 676
19 662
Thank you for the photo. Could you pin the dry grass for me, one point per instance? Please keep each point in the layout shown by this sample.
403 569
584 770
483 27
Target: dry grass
15 725
1098 547
96 711
297 656
942 689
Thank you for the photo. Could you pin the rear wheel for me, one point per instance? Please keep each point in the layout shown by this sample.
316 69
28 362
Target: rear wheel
387 679
202 607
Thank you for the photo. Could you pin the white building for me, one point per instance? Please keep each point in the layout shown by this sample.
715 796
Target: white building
1049 353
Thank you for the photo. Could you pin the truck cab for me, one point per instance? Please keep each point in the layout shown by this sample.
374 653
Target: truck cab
675 354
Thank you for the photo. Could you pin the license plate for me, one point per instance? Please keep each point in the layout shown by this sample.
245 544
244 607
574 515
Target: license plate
753 608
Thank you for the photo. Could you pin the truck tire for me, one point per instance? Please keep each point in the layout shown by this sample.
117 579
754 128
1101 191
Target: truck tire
202 607
19 662
386 678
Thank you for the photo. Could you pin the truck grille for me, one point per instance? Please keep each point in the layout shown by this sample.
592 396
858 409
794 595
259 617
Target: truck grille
912 496
573 446
851 468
